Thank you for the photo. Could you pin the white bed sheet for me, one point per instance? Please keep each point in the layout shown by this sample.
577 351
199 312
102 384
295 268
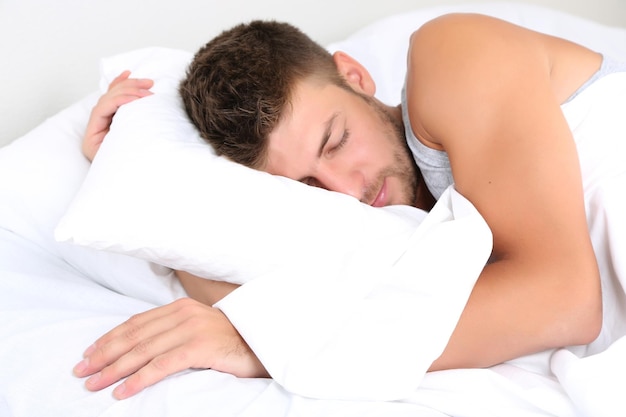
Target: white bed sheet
55 299
50 312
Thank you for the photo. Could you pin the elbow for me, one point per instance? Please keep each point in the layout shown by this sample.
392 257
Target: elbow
588 327
585 315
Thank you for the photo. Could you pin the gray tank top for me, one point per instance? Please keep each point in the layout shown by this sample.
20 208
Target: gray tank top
435 165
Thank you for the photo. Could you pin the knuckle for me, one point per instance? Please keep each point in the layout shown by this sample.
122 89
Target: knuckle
170 362
197 327
161 364
132 330
101 355
188 308
142 348
133 320
184 303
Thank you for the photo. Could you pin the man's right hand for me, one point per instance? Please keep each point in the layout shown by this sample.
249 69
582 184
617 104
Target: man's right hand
160 342
122 90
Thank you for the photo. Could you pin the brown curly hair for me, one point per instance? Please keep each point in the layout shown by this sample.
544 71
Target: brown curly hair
240 83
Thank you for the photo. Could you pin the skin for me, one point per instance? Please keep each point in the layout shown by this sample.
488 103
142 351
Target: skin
489 94
514 157
122 90
368 160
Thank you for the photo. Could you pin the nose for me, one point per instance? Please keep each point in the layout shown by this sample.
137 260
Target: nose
344 181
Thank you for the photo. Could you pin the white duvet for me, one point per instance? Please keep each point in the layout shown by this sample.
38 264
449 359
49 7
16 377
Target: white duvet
56 298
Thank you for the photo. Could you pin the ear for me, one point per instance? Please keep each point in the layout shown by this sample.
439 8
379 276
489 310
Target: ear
354 73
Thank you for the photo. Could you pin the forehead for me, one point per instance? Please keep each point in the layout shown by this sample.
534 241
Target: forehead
294 143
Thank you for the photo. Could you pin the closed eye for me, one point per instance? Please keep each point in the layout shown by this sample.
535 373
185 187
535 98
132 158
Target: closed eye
342 142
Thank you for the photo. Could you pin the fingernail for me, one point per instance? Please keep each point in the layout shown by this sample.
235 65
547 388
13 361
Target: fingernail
81 366
89 350
93 380
118 392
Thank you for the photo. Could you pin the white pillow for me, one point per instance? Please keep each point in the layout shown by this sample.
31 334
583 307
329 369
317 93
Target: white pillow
156 191
40 173
153 161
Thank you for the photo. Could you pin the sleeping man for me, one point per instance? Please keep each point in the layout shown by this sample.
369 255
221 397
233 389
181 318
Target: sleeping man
481 109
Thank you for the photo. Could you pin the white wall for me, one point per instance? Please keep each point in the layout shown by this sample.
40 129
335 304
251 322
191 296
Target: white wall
50 48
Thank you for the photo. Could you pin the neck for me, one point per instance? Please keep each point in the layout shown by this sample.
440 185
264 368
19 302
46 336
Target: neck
396 113
423 198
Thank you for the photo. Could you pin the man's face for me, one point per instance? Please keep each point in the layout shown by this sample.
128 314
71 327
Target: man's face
341 141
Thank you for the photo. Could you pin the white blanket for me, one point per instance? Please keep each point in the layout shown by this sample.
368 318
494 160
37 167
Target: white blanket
55 299
594 382
366 334
595 375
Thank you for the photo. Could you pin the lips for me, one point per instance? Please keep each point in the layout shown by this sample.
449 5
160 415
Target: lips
380 200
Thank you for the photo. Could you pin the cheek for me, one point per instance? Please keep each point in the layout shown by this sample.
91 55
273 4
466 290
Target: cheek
369 156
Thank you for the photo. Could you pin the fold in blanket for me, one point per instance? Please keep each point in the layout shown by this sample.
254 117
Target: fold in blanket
594 375
373 333
339 330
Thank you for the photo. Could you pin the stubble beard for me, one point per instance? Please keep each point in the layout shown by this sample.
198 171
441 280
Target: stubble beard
403 168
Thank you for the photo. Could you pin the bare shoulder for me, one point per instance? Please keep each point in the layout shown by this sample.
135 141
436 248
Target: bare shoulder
460 59
467 27
471 56
473 40
484 91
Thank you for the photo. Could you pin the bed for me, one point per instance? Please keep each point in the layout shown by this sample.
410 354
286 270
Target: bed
80 252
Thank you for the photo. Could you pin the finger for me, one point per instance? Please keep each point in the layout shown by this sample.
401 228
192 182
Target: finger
123 76
109 104
130 83
179 344
156 370
123 338
141 354
192 343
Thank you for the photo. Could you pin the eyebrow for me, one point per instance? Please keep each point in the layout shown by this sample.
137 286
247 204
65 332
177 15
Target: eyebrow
326 135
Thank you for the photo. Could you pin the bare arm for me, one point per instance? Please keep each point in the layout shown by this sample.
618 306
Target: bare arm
483 93
206 291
